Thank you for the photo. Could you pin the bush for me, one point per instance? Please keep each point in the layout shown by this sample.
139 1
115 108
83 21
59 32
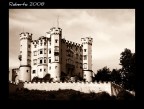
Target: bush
67 94
102 96
123 95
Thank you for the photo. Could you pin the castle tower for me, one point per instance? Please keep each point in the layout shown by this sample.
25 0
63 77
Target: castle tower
55 56
25 57
87 58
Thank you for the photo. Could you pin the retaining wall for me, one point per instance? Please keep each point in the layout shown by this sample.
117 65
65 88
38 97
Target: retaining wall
85 87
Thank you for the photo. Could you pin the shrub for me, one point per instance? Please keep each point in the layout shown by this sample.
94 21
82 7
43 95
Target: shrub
123 95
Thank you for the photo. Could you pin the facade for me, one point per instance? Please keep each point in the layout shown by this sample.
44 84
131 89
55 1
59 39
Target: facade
54 55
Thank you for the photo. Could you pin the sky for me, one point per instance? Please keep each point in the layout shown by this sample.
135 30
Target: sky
112 31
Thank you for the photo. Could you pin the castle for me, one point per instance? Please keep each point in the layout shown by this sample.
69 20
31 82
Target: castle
54 55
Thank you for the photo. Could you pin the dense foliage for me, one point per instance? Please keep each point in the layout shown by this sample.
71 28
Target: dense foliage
26 94
128 71
124 76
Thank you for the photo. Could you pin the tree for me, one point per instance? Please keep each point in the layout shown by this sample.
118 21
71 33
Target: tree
128 70
44 79
103 74
116 76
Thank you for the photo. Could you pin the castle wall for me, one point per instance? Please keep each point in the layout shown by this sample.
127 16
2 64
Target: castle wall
63 65
71 58
86 87
111 88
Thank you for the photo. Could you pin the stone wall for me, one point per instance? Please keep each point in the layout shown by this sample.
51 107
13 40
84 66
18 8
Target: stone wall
85 87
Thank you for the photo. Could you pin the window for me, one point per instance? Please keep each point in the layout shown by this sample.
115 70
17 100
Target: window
34 46
85 65
44 43
41 51
49 60
40 70
27 70
84 50
35 53
77 64
45 60
76 56
34 71
35 61
85 57
28 46
41 42
55 67
80 57
56 48
40 61
56 40
49 68
56 58
49 51
29 53
45 51
44 70
80 65
29 61
20 51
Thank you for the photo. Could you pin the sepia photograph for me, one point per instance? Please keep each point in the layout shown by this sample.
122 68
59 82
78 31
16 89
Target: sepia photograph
72 54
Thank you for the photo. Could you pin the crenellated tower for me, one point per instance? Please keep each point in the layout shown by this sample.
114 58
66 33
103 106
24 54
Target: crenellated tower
25 57
55 53
87 58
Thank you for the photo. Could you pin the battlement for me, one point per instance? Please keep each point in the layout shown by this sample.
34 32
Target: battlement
87 40
35 42
70 43
59 82
40 40
55 30
85 87
26 35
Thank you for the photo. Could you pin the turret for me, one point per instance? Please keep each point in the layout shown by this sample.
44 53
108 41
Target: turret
87 58
55 55
25 57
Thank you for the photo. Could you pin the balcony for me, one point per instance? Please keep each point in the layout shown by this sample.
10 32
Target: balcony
56 53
